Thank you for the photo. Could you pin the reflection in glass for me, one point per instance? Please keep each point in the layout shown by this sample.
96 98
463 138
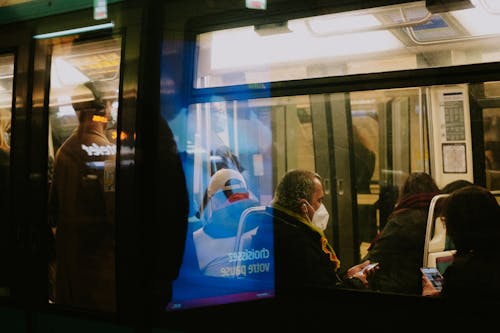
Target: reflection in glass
228 253
398 37
82 156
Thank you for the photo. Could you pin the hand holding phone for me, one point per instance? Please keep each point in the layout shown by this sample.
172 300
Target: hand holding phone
368 267
433 275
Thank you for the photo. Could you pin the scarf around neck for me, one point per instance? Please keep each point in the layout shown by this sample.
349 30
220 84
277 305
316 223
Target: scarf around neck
414 201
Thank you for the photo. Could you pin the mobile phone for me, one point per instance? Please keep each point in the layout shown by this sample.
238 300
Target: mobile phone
432 273
367 267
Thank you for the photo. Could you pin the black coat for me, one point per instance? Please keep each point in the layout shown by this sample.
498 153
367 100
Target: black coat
399 251
473 276
300 256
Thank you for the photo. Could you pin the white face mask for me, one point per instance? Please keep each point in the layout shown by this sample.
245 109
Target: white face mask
320 217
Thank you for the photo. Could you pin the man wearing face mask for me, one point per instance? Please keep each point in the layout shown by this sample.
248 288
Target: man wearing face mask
303 255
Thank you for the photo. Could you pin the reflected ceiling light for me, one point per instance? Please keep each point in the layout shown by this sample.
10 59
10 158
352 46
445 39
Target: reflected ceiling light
65 111
334 24
64 74
480 20
229 50
493 6
104 26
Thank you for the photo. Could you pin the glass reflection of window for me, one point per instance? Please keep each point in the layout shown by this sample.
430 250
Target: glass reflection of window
82 139
6 84
376 39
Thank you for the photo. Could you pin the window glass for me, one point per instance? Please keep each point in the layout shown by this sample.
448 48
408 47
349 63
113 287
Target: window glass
365 144
394 133
391 38
83 112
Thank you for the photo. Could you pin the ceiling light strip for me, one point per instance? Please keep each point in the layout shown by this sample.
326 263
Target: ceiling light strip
104 26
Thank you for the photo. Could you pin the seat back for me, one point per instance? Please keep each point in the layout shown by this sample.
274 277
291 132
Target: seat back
249 267
437 247
256 250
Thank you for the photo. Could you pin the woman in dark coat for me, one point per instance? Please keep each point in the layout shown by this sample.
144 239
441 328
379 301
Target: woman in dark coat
399 247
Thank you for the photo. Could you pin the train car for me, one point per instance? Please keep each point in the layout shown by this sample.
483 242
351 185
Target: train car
362 93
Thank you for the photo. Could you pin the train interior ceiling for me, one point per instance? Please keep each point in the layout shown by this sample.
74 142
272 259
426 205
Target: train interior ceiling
363 142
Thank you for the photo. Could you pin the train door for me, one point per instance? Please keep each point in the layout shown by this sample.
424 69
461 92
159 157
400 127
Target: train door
81 135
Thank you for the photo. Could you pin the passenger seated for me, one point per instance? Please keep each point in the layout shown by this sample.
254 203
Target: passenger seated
227 198
448 189
303 255
400 246
472 217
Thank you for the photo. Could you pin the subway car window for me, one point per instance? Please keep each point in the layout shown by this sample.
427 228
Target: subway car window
83 111
368 145
402 37
6 84
391 134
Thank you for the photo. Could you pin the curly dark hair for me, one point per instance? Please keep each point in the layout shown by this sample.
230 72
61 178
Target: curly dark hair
295 185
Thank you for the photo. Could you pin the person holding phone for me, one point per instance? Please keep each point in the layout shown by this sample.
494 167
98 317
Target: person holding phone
399 246
472 218
303 255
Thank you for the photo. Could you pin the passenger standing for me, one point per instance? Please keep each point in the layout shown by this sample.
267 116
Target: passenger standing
303 255
82 208
472 218
400 245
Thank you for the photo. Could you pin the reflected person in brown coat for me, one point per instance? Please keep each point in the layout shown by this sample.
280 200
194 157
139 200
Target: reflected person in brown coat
81 202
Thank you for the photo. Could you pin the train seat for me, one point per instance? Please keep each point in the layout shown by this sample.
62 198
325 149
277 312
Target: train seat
260 248
438 249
